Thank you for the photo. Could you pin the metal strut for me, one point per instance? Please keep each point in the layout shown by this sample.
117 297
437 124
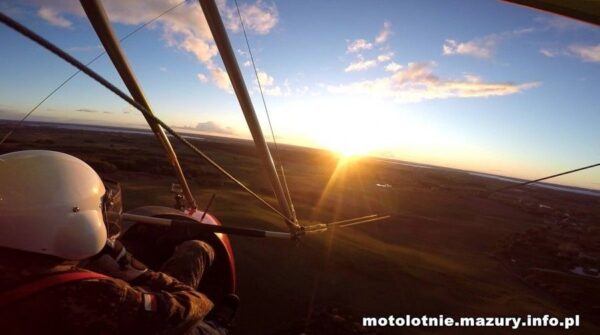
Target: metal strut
97 16
98 78
211 12
194 226
262 95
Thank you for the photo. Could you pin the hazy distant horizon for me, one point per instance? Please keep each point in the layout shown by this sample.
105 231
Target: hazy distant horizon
188 131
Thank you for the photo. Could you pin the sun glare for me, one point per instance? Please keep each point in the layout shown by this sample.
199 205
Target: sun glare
349 139
345 129
347 145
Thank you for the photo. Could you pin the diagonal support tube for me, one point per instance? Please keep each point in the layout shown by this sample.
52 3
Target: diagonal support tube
198 227
97 16
95 76
211 12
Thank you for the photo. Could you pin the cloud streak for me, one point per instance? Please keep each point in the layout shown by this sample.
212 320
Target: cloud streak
202 77
258 17
361 65
213 127
385 57
362 44
549 53
587 53
267 83
87 110
417 82
385 34
481 48
358 45
364 64
51 16
393 67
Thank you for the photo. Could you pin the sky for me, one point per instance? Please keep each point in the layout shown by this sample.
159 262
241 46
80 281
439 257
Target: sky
476 85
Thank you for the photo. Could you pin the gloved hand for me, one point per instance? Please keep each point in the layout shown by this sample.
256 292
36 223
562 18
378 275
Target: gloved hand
224 312
116 262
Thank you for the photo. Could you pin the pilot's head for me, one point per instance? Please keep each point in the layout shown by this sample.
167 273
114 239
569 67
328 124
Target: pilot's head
54 204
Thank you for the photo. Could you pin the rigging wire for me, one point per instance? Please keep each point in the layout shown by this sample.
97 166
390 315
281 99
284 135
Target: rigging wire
63 83
322 227
212 198
98 78
544 178
279 161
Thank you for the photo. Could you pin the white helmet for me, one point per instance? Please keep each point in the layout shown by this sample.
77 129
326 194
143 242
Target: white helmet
51 203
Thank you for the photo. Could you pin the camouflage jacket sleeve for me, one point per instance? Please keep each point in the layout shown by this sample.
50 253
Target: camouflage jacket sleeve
154 304
170 304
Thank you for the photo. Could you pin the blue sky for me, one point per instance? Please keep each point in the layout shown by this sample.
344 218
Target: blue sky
484 86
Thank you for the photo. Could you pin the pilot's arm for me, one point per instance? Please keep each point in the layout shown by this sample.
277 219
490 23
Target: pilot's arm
153 300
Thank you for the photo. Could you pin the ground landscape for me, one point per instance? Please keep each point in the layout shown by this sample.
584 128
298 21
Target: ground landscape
448 248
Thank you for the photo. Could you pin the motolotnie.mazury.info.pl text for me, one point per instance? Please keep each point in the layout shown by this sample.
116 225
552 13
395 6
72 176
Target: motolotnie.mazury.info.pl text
514 322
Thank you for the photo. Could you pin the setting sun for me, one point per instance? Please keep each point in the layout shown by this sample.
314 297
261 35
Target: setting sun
348 145
348 138
346 128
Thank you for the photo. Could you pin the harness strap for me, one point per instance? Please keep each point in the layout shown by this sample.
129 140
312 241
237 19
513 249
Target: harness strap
28 289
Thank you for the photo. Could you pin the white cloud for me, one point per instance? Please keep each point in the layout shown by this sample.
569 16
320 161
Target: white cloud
185 28
549 53
258 17
480 48
385 34
364 64
588 53
220 78
52 16
417 82
265 79
202 49
202 77
358 45
361 65
273 91
483 47
362 44
393 67
267 83
385 57
558 23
